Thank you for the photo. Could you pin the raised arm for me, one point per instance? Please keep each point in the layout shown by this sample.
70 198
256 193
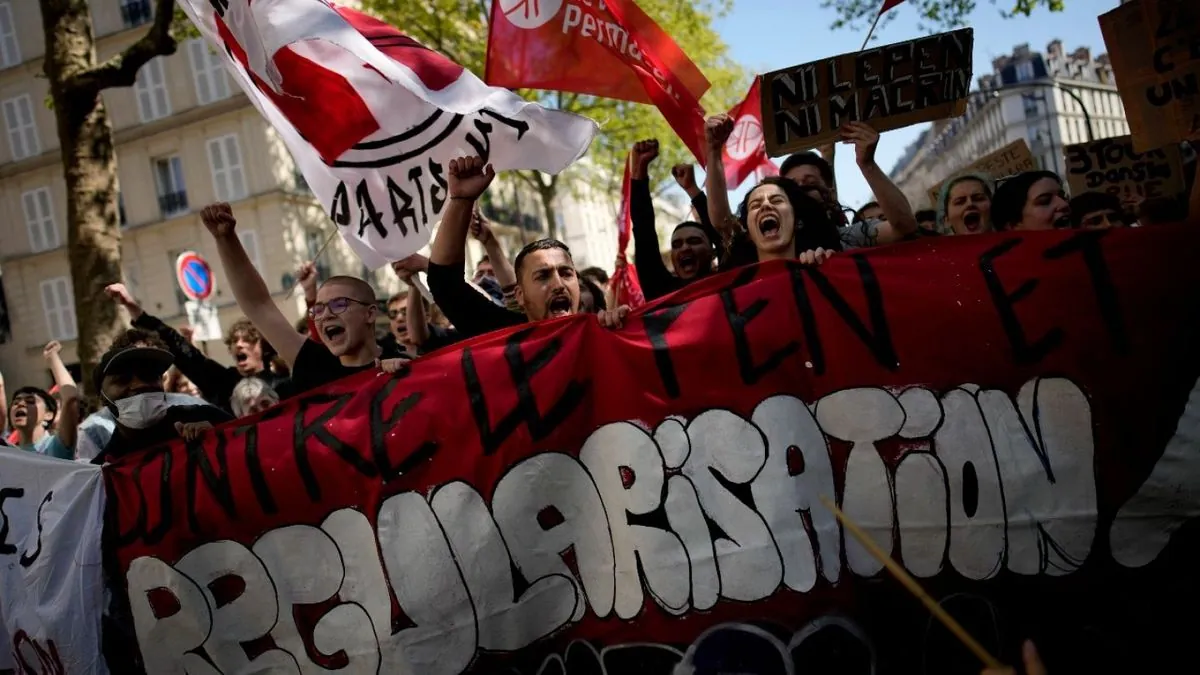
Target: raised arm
414 314
248 288
901 221
68 409
656 280
471 178
685 176
716 131
502 267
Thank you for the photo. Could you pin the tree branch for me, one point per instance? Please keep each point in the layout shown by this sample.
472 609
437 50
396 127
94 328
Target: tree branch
121 70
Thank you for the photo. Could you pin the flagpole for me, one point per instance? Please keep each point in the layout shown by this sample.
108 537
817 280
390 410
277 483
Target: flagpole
873 25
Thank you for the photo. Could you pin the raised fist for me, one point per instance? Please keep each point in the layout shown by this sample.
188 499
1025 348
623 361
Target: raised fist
717 130
644 152
218 218
51 350
120 294
469 177
480 228
307 276
685 175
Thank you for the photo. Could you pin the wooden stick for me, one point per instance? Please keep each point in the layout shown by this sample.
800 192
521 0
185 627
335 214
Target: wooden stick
314 260
913 587
870 32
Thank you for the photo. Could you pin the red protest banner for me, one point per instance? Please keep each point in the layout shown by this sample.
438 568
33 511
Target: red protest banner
1002 413
745 152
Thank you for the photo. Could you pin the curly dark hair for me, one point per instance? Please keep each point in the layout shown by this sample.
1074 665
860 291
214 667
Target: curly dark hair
246 328
135 336
813 228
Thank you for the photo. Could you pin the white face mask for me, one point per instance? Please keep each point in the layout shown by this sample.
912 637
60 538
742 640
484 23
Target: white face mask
142 410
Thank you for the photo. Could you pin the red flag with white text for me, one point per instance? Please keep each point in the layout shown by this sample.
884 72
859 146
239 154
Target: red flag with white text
745 152
610 49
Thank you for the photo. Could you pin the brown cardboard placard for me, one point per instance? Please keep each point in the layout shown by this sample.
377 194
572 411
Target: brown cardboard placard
1112 165
887 87
1154 47
1007 161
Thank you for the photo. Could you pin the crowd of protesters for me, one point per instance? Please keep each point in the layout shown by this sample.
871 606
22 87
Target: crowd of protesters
155 385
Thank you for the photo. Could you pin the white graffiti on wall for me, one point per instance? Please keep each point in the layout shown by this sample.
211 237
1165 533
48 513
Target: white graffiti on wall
991 483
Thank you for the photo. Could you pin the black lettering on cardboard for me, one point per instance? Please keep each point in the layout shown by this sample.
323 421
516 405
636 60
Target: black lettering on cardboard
926 51
367 213
896 56
929 88
878 104
866 73
843 109
403 210
5 494
836 81
339 209
414 176
197 462
303 433
1024 353
656 323
483 148
439 189
31 557
738 320
1087 244
526 408
381 424
784 94
258 479
878 336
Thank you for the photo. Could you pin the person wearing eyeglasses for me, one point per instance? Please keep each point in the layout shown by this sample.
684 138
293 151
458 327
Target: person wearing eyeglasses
343 315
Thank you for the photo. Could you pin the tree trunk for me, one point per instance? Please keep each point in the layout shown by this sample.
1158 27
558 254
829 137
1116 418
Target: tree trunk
547 194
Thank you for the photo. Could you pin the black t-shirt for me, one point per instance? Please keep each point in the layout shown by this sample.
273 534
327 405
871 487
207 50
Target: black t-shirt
316 366
125 441
471 312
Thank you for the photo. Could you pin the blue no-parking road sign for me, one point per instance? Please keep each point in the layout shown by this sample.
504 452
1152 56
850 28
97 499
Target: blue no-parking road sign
195 276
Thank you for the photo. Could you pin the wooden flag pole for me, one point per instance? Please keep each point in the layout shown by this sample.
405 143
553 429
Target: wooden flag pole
913 587
314 260
873 25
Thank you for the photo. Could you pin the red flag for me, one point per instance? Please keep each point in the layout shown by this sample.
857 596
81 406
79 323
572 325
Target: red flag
627 290
745 152
548 44
888 4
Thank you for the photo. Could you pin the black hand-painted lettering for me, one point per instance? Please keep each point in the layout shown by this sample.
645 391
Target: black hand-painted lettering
141 528
197 462
303 433
339 209
6 494
258 479
367 213
738 320
483 148
1024 353
878 336
517 125
439 189
1087 244
31 557
808 320
526 408
657 322
403 210
381 425
414 177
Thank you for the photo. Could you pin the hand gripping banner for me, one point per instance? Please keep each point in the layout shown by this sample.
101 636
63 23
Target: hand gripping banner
1009 416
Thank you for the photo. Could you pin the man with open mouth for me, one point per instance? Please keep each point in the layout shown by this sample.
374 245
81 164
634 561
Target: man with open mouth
547 283
34 410
251 353
343 314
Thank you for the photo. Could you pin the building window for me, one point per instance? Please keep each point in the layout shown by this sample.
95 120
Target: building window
168 179
208 72
59 302
39 220
1024 71
10 49
314 240
1031 105
22 132
132 274
151 91
225 159
136 12
249 239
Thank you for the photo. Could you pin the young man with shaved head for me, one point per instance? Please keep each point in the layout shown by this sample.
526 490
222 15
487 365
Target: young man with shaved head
344 314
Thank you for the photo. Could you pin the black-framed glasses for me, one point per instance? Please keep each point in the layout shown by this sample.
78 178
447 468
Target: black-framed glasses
335 306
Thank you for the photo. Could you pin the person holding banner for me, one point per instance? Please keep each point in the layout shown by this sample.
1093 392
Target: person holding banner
694 245
1031 201
965 204
344 314
34 411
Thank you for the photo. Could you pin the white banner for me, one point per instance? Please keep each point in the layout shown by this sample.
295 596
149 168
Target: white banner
51 586
372 117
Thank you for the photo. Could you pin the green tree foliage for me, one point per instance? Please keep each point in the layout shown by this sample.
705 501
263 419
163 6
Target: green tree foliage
459 29
936 15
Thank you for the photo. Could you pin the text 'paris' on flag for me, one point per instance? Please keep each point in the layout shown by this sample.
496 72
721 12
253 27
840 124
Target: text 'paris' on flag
745 152
372 116
610 49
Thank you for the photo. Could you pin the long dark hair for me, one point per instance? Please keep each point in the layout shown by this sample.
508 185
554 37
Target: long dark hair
1009 201
813 227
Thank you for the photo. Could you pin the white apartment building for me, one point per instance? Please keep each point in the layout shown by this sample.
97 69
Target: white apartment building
1028 95
185 136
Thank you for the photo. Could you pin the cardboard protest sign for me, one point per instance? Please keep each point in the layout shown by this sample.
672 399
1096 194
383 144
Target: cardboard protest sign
1007 161
888 87
638 501
51 589
1154 46
1111 165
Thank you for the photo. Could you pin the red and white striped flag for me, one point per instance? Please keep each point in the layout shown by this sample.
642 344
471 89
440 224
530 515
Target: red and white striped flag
371 116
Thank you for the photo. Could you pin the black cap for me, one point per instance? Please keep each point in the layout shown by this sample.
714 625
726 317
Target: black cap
148 361
50 401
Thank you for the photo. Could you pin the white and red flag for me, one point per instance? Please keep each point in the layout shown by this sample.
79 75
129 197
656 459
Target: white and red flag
745 152
372 116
